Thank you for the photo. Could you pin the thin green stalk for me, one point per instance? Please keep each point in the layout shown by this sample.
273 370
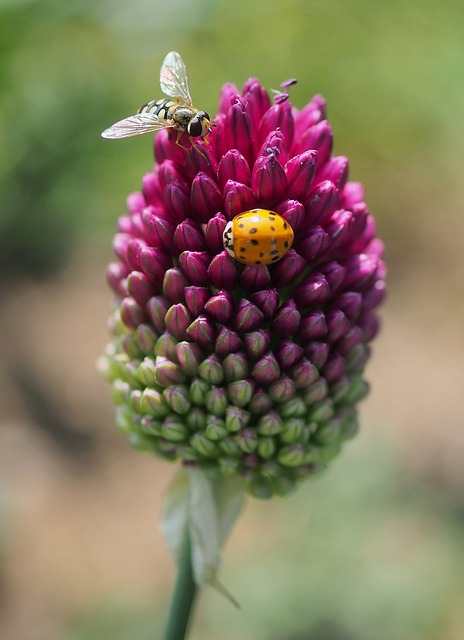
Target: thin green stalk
182 598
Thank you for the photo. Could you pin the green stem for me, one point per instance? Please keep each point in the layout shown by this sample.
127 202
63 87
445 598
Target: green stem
183 596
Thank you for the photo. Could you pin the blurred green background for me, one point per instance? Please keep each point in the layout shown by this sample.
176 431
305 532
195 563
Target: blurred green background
375 548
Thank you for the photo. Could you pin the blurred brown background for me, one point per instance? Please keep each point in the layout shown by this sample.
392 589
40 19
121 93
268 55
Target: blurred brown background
374 549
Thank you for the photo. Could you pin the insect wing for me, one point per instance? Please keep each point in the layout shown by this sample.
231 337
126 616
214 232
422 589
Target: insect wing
173 78
135 125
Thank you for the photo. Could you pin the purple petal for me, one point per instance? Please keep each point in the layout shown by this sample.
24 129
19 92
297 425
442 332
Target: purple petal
202 330
176 198
316 243
352 193
266 370
337 325
350 302
334 274
287 319
267 301
213 233
335 170
313 326
279 116
313 290
257 99
196 298
174 284
220 307
361 272
168 172
157 308
227 342
136 202
268 180
159 231
254 277
310 115
240 131
228 91
317 353
288 268
222 271
131 313
151 190
320 138
177 320
140 287
300 172
322 202
188 236
195 266
154 263
237 198
292 211
275 143
248 316
288 353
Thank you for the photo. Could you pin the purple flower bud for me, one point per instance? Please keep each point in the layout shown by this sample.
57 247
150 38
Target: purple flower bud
267 301
248 316
278 117
240 392
334 368
166 346
257 342
156 308
204 162
189 356
334 274
351 339
257 99
222 271
322 202
214 231
131 313
196 298
268 180
275 143
178 319
145 338
288 353
361 272
176 199
159 230
202 330
227 342
260 402
195 266
254 277
166 150
234 167
140 287
211 370
154 263
352 193
116 275
237 198
240 132
206 197
314 290
174 284
266 370
235 366
136 202
188 236
292 211
151 189
337 325
288 268
167 172
303 374
350 302
318 137
300 172
369 324
287 320
316 392
220 307
317 352
314 244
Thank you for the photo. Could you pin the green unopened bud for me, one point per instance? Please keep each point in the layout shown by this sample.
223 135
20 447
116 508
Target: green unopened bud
266 447
260 487
150 426
282 389
117 325
339 389
211 370
322 411
357 391
291 455
328 431
293 408
146 372
329 451
236 418
316 392
120 391
173 430
134 400
349 423
292 431
240 392
230 447
270 424
125 419
189 355
235 366
247 440
195 419
146 339
167 372
153 403
141 442
215 429
197 391
260 402
177 398
271 469
130 374
229 466
216 401
206 447
130 346
284 484
312 454
166 346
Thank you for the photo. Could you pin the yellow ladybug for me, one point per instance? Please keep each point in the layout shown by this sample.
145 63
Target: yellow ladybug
258 236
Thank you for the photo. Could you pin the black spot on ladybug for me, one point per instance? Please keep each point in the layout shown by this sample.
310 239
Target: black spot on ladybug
257 261
285 225
274 252
261 255
254 242
271 218
241 225
272 228
253 230
275 258
286 244
242 249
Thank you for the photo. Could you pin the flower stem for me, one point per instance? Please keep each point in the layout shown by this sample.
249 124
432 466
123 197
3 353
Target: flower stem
183 596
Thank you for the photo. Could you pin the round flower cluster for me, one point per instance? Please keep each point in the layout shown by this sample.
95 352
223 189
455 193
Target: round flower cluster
236 368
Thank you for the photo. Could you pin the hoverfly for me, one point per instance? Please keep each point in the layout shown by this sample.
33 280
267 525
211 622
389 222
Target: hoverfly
177 114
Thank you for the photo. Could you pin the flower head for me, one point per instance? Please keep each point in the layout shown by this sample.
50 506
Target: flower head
248 369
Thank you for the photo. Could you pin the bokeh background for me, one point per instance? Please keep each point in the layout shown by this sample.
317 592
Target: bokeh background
372 549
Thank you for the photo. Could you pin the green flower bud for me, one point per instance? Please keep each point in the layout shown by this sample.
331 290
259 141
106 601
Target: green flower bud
130 346
266 447
316 392
134 400
146 372
322 411
125 419
270 424
294 408
215 429
120 391
203 445
235 366
357 391
198 389
328 431
189 356
292 430
167 372
173 430
195 419
229 466
177 397
230 447
211 370
247 440
291 455
236 418
216 401
146 339
150 426
153 403
166 346
260 487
